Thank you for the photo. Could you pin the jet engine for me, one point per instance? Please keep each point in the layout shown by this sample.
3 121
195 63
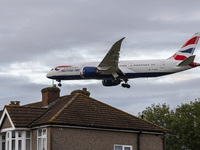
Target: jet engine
89 72
111 82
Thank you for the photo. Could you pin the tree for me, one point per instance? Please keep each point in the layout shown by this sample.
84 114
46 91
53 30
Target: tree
183 124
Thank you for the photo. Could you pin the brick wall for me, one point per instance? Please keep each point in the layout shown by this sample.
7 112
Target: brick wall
76 139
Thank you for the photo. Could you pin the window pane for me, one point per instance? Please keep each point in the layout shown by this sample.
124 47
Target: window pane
3 145
8 145
20 145
28 144
118 147
44 144
19 134
127 148
39 144
3 137
13 134
44 132
13 144
40 132
28 134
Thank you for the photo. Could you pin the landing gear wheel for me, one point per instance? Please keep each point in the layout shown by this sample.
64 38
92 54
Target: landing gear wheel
128 86
59 84
125 85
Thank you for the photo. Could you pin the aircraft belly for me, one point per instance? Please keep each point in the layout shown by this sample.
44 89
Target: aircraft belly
146 74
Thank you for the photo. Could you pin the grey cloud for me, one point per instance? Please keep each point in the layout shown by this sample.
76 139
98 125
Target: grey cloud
61 32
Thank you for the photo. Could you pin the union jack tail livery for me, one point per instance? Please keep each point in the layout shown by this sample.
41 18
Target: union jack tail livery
187 49
112 71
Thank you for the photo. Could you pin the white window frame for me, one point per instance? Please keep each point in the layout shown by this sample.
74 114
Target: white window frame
42 137
2 141
28 138
20 135
123 146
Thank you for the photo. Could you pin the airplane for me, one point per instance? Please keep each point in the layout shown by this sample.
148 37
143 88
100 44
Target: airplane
113 72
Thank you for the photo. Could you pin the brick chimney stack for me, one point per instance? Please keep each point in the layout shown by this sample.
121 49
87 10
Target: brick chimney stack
14 103
49 95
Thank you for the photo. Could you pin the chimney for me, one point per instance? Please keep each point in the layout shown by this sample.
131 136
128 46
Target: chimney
49 95
83 91
14 103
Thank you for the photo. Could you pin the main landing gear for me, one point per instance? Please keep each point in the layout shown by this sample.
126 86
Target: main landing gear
126 85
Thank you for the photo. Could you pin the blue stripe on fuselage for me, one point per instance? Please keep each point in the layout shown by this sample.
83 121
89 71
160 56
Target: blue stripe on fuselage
127 75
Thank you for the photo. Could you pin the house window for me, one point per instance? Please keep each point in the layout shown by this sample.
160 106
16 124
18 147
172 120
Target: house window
42 139
17 140
13 140
122 147
3 142
28 140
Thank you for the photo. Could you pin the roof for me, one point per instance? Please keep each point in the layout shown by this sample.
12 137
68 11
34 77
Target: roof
22 116
78 110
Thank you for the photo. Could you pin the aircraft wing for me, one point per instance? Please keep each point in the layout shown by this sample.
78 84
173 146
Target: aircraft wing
109 64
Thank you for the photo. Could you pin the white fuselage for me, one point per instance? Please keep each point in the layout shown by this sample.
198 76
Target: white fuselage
130 69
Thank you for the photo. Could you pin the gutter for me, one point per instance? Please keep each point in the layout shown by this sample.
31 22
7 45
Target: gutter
101 129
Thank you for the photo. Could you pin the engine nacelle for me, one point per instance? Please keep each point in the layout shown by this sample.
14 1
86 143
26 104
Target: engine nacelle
111 82
89 72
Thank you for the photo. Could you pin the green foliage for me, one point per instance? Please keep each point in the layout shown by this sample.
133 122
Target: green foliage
183 124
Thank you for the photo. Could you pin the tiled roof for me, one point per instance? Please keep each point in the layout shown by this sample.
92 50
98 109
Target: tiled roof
81 110
37 104
78 110
22 116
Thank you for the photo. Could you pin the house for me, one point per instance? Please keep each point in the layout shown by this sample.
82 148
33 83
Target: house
75 122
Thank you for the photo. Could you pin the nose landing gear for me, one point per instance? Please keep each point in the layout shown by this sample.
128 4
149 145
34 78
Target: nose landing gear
59 84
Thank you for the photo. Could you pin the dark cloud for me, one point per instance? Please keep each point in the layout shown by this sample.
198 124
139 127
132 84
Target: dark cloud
38 35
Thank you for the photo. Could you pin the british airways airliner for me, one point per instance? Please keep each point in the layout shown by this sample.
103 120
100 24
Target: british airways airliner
112 72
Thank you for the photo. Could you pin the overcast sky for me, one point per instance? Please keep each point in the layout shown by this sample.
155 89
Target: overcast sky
36 36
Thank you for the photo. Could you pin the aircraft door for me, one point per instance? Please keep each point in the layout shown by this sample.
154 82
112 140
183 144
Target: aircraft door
162 65
130 66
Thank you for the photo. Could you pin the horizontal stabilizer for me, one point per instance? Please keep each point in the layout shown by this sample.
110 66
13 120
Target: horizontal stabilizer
187 61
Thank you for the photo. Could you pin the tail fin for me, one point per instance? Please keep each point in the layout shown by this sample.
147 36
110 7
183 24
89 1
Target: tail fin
187 49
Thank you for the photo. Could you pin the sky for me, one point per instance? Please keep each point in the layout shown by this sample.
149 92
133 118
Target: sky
36 36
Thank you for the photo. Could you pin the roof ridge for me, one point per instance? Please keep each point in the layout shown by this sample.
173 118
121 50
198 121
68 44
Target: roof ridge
10 106
61 110
32 103
39 117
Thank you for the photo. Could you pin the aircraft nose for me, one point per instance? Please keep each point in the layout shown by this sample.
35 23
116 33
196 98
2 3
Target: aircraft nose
49 74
